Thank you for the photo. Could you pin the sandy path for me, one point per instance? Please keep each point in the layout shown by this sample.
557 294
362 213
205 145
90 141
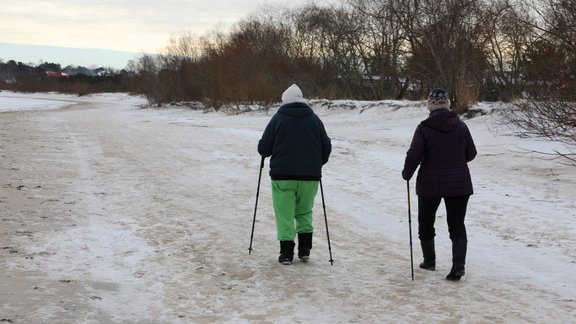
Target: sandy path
112 214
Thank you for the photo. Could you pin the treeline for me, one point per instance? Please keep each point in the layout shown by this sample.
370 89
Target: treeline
18 76
375 49
497 50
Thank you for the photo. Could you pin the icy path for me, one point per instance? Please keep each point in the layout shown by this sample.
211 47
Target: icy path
114 214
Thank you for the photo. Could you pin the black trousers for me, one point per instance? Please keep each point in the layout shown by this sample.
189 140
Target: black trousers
455 214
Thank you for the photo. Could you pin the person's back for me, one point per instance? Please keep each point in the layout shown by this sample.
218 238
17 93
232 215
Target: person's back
296 143
443 169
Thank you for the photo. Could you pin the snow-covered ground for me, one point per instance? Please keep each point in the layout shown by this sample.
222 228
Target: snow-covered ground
111 213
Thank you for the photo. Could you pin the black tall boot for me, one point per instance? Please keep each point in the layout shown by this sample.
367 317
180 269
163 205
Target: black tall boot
459 246
304 245
429 255
286 252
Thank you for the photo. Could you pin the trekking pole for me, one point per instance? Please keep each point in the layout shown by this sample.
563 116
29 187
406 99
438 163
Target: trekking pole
326 221
256 205
410 229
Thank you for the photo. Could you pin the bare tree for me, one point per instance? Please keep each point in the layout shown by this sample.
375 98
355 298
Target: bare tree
509 38
448 45
381 46
551 60
557 19
548 118
148 68
177 61
550 111
331 35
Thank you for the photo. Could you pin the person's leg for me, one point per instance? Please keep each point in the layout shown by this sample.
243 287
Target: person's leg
284 201
427 208
455 215
305 197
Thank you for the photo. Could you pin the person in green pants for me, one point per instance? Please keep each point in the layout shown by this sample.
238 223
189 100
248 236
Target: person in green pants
297 142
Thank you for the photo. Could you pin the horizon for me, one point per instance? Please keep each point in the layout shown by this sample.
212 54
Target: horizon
111 33
32 54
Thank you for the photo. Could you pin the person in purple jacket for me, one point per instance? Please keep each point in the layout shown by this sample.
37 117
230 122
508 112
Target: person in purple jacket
442 146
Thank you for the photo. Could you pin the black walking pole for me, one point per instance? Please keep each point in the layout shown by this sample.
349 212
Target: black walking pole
410 229
256 205
326 221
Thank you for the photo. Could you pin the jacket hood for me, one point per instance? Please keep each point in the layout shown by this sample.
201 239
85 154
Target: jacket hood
442 120
295 109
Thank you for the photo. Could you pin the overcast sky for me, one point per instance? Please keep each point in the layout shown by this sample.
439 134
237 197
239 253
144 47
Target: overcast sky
120 25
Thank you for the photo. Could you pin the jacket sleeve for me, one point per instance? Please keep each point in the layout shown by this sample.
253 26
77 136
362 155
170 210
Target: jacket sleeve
470 147
414 154
266 143
326 144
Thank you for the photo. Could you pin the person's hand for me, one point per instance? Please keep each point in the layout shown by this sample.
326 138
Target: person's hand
405 175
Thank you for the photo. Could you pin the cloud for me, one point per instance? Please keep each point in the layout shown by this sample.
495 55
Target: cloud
128 25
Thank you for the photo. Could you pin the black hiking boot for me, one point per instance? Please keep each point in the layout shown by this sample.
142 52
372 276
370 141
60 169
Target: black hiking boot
456 273
304 246
428 265
459 246
286 252
429 255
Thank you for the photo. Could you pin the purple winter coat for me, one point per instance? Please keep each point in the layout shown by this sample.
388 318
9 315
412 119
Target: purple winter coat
442 146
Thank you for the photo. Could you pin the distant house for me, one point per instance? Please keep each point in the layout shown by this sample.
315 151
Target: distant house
55 74
8 80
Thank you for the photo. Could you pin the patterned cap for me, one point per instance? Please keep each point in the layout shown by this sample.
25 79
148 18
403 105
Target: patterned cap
438 98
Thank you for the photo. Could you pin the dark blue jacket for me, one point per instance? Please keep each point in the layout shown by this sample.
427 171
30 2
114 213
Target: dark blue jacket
442 146
297 141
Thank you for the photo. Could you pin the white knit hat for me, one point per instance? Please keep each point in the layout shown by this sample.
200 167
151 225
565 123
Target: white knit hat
292 94
438 98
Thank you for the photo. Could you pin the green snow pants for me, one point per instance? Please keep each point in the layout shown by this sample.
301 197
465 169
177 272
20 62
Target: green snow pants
293 201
